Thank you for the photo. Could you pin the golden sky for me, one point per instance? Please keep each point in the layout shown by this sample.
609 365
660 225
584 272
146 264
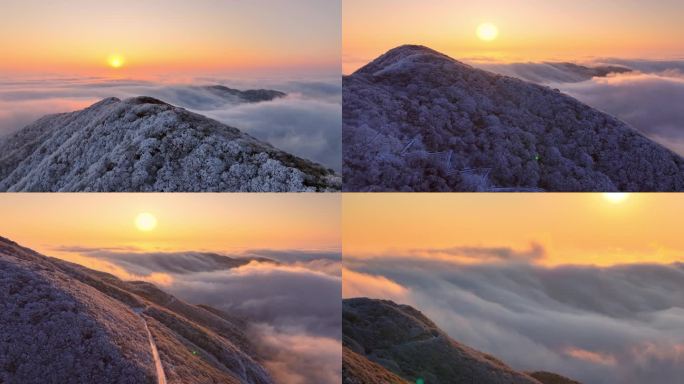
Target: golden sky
529 30
185 222
572 228
153 36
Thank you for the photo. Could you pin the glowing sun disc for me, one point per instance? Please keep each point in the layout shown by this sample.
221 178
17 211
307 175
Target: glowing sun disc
115 61
487 31
616 197
145 222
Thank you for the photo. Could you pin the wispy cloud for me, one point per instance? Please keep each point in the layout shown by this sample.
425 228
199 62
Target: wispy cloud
464 254
358 284
483 254
589 356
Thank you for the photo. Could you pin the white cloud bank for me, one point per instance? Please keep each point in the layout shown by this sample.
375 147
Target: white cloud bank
649 97
306 123
293 303
611 325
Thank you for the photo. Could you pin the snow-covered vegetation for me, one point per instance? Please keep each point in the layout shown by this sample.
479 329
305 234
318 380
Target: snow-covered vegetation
417 120
143 144
64 323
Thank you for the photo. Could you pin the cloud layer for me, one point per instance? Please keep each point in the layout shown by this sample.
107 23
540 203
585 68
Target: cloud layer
292 301
649 98
618 324
306 123
651 103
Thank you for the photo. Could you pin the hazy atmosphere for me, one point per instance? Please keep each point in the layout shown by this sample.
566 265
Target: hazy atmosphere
67 55
289 291
306 122
529 39
581 285
530 30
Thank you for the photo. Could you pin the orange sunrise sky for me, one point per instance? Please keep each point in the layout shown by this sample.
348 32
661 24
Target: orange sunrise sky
528 30
127 37
584 228
197 222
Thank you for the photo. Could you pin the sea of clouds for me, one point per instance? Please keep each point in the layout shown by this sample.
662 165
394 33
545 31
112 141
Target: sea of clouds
292 302
307 122
619 324
649 97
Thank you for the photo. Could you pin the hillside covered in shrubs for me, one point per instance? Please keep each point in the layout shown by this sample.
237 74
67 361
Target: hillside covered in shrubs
64 323
418 120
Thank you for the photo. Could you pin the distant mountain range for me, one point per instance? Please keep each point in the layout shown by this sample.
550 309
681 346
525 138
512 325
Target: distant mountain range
64 323
248 96
417 120
388 343
554 72
144 144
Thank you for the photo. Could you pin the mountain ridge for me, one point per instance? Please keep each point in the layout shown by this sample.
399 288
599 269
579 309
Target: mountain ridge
145 144
415 119
62 322
385 341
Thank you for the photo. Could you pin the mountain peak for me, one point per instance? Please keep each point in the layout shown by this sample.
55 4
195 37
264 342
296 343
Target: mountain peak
406 58
145 144
104 102
417 120
143 100
413 49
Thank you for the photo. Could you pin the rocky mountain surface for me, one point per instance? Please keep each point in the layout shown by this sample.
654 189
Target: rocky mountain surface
417 120
144 144
390 343
64 323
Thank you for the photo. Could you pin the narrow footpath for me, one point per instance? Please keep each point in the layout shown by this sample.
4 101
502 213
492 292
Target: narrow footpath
161 376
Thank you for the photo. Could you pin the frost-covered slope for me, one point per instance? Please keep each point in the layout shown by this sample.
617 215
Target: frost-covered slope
417 120
64 323
356 369
406 343
143 144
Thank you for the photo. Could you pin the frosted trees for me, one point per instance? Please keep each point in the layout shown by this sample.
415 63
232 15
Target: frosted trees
143 144
413 103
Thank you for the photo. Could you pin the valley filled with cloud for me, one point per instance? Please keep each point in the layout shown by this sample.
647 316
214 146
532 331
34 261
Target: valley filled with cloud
306 122
647 94
614 324
290 298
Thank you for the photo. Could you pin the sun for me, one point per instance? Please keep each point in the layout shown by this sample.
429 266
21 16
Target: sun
487 31
616 197
115 61
145 222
